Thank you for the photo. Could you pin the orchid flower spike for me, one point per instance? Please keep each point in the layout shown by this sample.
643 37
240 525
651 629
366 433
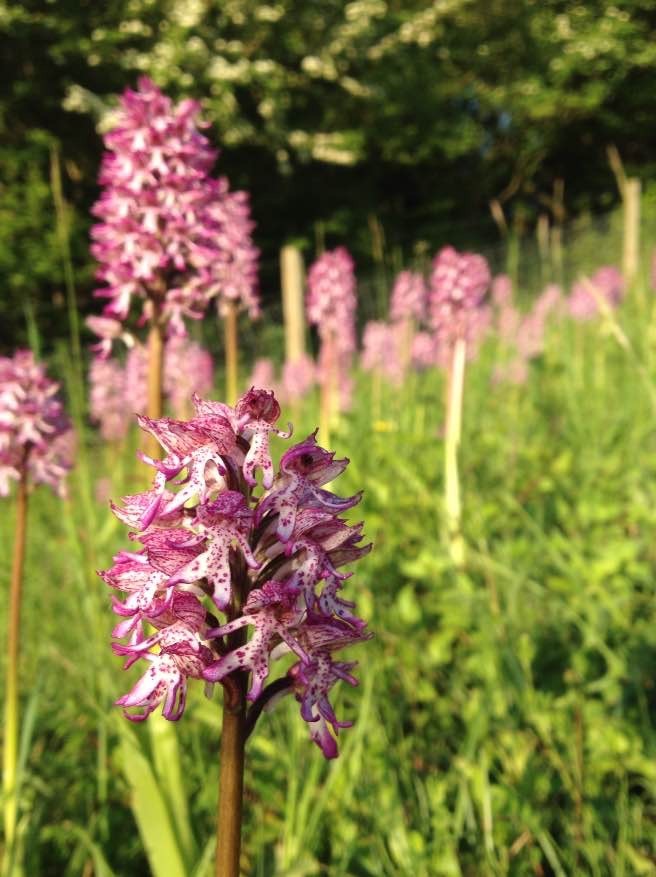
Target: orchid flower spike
229 543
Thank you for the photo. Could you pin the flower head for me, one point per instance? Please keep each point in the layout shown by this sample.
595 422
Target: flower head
381 350
424 350
235 273
298 378
409 297
169 235
331 299
211 544
188 369
458 285
107 403
331 307
502 291
36 437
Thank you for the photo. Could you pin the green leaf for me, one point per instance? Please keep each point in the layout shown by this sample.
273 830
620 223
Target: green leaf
150 810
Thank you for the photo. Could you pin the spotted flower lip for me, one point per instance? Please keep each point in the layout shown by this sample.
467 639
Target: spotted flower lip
312 462
303 469
216 561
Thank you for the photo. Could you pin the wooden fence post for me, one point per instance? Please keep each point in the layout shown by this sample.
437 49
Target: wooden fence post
291 280
631 244
542 234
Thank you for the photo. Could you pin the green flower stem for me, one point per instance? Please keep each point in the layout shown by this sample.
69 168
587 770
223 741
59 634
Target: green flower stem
328 391
231 352
452 501
155 379
63 223
376 396
10 750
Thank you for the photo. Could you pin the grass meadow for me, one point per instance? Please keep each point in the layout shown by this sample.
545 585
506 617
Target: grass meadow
505 720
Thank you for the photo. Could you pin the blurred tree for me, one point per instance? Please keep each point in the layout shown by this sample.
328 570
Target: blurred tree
328 110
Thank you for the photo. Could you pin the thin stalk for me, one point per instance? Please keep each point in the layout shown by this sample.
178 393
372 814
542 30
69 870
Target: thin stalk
376 396
327 391
512 258
231 352
231 770
62 214
622 339
33 337
163 736
452 501
334 389
155 379
9 758
407 334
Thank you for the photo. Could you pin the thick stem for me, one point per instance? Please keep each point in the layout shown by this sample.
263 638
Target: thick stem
452 441
231 352
155 379
233 740
291 281
231 780
10 752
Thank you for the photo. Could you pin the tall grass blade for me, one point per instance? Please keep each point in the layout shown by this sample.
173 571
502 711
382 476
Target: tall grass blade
150 809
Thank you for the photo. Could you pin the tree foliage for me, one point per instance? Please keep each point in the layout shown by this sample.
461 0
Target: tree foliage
419 112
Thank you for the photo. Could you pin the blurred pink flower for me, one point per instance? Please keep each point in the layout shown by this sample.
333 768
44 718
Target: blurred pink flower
35 434
107 402
136 379
298 378
502 291
424 350
331 300
118 391
530 336
331 307
525 335
515 372
550 301
169 235
235 274
609 284
409 297
103 490
188 369
381 348
508 319
458 285
263 374
108 330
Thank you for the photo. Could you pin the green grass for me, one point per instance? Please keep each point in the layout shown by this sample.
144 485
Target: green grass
505 721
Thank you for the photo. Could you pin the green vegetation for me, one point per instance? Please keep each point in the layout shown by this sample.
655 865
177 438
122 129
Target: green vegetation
505 720
332 114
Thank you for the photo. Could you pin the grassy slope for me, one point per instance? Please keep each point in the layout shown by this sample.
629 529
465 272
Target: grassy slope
505 721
